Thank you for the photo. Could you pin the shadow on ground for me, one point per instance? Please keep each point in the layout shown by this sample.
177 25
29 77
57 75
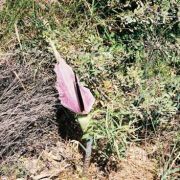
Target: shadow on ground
68 126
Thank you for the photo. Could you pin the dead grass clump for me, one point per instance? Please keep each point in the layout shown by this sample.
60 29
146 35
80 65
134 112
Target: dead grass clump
60 160
27 103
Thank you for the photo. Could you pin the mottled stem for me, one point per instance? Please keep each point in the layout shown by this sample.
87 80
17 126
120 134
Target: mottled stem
87 157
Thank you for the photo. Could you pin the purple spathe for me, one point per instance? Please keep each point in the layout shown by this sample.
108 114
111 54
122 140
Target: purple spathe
66 86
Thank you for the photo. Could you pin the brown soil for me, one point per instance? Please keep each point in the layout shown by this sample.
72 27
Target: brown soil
135 166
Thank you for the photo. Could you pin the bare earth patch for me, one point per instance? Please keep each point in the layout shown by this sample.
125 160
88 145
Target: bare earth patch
135 166
2 2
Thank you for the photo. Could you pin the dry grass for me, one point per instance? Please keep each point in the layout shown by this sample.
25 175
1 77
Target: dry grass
61 160
55 161
27 105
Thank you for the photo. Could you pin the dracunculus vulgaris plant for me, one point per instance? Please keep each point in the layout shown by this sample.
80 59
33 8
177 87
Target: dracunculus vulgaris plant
73 95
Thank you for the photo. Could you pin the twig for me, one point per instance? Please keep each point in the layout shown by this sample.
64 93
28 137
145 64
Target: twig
17 34
20 82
